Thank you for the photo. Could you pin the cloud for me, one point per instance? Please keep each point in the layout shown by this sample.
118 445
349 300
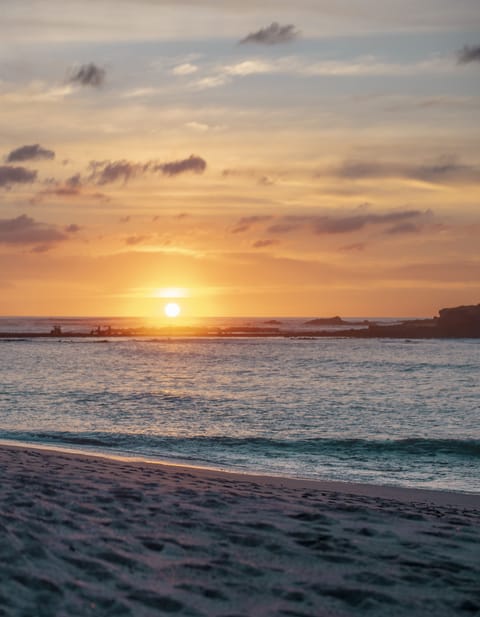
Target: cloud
246 222
469 54
250 67
327 224
274 34
282 228
403 228
133 240
260 244
15 175
201 127
106 172
356 246
266 181
24 230
88 75
73 228
445 169
72 187
194 164
34 152
74 181
261 179
137 239
339 225
63 191
184 69
360 66
213 81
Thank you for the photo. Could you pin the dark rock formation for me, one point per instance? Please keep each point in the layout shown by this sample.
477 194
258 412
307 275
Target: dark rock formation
461 321
326 321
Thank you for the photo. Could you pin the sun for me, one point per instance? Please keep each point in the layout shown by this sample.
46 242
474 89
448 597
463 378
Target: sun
172 309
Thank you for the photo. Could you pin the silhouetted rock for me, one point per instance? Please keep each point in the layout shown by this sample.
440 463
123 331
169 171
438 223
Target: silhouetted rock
326 321
462 321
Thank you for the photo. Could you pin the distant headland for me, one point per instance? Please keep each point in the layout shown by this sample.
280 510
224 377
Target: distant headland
456 322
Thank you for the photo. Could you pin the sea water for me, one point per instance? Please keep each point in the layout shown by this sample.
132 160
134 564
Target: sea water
383 411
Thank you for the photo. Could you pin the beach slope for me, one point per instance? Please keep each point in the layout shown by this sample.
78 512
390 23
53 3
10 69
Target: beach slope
85 535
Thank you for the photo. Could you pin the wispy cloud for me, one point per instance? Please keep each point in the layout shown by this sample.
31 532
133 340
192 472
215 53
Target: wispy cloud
201 127
445 169
88 75
187 68
274 34
137 239
72 188
355 246
360 66
261 244
356 221
32 152
35 92
403 228
261 178
470 53
246 222
107 172
250 67
10 175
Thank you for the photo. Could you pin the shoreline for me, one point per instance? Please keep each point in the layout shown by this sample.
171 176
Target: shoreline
439 497
85 535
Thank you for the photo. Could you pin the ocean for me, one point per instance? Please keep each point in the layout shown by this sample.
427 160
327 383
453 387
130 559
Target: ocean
381 411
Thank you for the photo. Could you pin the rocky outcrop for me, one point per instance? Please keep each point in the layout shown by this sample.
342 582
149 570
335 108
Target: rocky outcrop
456 322
326 321
461 321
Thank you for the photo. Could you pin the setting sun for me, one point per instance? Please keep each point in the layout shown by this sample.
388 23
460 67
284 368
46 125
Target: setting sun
172 309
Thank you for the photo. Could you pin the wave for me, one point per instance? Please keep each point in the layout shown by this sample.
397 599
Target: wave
271 448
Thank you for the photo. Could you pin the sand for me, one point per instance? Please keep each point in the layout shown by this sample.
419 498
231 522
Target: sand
85 535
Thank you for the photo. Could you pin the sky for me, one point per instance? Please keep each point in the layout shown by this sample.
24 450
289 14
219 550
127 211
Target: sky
281 159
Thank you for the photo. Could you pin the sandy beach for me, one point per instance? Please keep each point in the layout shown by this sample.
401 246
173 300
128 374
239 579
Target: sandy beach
86 535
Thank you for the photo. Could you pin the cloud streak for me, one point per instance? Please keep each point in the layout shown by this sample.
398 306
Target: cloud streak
108 172
443 170
400 222
360 66
33 152
274 34
261 244
246 222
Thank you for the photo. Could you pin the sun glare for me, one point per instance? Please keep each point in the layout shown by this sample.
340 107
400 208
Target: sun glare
172 309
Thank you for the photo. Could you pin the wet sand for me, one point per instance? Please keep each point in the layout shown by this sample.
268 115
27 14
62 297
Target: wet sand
86 535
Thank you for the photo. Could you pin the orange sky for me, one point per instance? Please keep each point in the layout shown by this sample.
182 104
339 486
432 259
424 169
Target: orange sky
264 161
